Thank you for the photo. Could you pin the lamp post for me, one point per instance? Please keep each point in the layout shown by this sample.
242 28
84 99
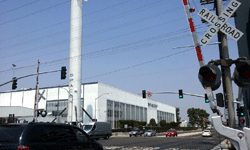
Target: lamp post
96 100
70 101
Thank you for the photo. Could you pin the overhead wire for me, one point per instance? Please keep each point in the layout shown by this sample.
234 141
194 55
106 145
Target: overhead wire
18 7
4 23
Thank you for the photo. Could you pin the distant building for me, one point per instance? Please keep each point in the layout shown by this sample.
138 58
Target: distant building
102 102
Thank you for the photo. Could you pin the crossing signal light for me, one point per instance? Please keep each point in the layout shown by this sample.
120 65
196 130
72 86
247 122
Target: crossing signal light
242 73
180 94
242 121
63 72
206 99
144 94
14 83
210 75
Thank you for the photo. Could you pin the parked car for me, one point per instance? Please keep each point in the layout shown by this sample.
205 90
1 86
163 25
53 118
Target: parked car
135 132
171 132
98 130
207 133
45 136
150 133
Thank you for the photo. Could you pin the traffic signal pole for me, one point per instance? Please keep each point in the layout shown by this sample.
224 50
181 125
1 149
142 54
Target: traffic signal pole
225 69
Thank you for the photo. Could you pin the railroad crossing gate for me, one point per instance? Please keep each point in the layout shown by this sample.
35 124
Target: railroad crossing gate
220 23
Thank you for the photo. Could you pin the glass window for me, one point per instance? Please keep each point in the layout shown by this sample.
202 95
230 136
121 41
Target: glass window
137 113
145 114
10 133
132 112
122 111
50 133
81 137
141 113
110 112
128 112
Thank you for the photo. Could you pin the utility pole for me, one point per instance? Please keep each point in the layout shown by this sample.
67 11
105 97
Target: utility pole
225 69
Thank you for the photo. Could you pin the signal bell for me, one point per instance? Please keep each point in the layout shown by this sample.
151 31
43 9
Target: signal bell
209 75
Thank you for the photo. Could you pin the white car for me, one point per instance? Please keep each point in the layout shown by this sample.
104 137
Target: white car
150 133
207 133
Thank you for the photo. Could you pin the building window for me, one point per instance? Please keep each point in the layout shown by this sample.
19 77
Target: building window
110 112
145 114
132 112
116 114
128 112
141 113
137 113
122 111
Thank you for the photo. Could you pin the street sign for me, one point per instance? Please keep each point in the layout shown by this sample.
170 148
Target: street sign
220 23
149 94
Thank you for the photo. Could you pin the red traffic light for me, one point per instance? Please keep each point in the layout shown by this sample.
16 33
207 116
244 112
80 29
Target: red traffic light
144 94
242 121
94 120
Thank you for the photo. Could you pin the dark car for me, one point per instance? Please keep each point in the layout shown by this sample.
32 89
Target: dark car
45 136
135 132
171 132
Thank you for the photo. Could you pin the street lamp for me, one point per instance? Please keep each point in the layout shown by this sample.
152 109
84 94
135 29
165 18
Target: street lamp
96 100
71 103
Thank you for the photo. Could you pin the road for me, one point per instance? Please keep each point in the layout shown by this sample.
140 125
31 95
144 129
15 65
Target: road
189 142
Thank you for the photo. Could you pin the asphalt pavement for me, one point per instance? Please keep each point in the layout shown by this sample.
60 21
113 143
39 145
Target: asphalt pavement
222 146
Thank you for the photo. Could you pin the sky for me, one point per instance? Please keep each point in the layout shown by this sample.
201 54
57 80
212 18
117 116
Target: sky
127 44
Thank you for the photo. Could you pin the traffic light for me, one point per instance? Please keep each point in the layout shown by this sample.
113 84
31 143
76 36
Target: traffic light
241 74
180 94
209 75
63 72
14 83
219 99
240 111
144 94
94 120
242 121
206 99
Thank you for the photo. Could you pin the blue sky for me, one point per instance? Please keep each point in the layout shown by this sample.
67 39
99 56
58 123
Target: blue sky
127 44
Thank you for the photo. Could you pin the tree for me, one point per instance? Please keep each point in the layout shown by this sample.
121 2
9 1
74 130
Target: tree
196 116
163 123
152 122
178 118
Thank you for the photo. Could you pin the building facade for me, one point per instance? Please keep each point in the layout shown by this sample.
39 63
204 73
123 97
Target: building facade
101 101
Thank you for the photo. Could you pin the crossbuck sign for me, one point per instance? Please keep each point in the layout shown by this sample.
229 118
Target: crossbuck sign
220 23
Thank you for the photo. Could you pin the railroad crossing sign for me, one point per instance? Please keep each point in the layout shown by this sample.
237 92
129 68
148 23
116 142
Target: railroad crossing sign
41 96
220 23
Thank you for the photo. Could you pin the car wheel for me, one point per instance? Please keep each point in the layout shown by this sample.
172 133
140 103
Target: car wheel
135 135
130 135
166 136
176 135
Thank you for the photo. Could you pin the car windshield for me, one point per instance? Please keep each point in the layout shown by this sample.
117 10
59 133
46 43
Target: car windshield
149 131
206 131
87 127
170 130
10 133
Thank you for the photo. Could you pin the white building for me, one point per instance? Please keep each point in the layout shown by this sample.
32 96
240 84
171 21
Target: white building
102 102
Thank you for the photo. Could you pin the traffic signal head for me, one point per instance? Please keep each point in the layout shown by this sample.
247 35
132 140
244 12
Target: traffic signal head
180 94
144 94
219 99
63 72
242 73
240 111
206 99
14 83
209 75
